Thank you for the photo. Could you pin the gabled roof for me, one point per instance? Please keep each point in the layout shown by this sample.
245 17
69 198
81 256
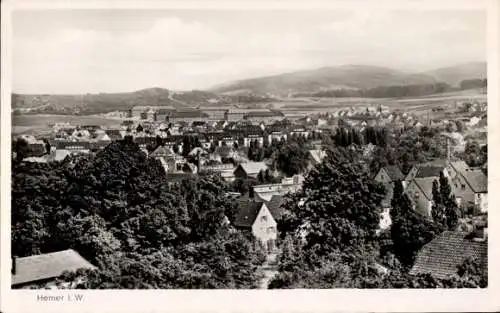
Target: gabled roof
425 185
161 151
441 256
394 172
248 210
317 155
476 180
253 167
46 266
274 206
428 171
459 166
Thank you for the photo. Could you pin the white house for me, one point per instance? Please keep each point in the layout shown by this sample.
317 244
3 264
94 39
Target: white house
255 216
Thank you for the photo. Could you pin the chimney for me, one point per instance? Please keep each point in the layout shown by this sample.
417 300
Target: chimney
13 266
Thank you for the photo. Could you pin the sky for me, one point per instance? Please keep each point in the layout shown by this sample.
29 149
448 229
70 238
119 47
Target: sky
88 51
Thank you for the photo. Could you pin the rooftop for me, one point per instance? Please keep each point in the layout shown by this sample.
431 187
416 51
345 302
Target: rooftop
46 266
441 256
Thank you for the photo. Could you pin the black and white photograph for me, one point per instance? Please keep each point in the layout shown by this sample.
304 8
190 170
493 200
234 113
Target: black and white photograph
211 148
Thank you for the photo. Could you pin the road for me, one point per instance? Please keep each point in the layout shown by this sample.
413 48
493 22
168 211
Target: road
269 268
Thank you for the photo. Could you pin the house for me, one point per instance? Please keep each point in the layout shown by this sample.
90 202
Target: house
274 206
41 271
317 156
470 188
36 146
143 112
276 135
446 252
389 174
249 169
255 137
255 216
232 115
170 161
429 169
188 116
73 145
287 185
419 190
225 152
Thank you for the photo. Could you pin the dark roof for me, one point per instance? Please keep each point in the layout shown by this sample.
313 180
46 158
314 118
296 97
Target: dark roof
248 210
425 185
274 206
63 144
476 180
429 171
394 172
46 266
252 168
441 256
224 151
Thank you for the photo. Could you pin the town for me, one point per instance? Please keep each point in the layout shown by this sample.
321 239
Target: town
236 197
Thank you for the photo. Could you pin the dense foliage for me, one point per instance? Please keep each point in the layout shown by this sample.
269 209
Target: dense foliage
330 238
118 211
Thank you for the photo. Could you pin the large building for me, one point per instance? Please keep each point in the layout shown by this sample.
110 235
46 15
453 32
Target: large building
149 112
187 116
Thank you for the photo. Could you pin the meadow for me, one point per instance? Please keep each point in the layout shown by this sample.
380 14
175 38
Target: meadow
40 123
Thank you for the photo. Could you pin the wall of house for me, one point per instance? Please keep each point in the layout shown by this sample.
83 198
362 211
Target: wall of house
422 204
481 201
385 219
382 177
264 228
240 173
462 190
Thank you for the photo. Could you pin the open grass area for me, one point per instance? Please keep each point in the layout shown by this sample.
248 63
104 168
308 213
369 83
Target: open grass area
39 123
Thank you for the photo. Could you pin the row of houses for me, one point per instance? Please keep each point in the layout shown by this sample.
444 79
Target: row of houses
468 185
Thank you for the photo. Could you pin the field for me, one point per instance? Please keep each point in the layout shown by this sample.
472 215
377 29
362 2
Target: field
301 106
39 123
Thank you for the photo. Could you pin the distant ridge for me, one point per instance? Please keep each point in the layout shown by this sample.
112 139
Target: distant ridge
349 77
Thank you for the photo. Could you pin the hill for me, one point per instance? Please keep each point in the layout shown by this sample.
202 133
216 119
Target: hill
453 75
108 102
350 77
326 78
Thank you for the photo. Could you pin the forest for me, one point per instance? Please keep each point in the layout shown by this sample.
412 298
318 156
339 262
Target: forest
397 91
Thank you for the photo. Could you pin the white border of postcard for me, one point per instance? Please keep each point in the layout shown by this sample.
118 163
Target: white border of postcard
436 300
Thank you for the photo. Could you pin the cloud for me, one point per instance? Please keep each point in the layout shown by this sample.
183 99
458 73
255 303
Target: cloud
180 53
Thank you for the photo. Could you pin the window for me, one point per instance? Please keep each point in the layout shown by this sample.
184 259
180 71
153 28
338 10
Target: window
271 230
463 186
264 218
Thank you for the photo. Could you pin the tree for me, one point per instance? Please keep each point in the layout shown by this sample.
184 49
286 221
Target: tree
20 148
292 159
409 230
116 210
